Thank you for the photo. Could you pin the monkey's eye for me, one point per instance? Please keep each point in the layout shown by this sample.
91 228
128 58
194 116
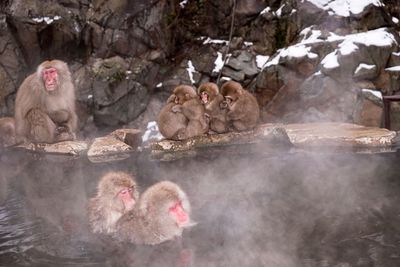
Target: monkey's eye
125 191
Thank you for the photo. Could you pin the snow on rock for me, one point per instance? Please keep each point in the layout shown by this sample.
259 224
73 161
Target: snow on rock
364 66
152 132
376 93
330 61
344 8
261 60
190 69
219 63
183 3
48 20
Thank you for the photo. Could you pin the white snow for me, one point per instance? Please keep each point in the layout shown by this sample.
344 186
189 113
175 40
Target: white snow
208 40
183 3
298 51
279 11
395 20
89 96
347 47
330 61
224 78
48 20
363 66
219 63
376 93
266 10
395 68
152 132
344 8
260 60
159 85
248 43
190 69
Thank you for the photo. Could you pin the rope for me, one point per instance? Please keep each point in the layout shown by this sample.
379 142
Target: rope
229 41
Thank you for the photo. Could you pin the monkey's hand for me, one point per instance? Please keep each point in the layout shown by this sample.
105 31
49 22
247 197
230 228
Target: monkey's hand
176 108
223 105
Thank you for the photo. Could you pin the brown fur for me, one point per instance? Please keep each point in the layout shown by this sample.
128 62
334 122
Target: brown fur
243 110
150 222
43 116
7 132
187 103
214 107
105 208
171 124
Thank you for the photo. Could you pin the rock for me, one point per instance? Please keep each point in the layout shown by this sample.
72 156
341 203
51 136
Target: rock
338 134
131 137
68 148
369 108
108 148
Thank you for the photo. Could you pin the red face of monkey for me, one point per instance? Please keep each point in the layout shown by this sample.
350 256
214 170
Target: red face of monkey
50 78
179 214
204 97
126 195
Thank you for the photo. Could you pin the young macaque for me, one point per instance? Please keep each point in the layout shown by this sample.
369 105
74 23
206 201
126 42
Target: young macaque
186 102
45 105
163 211
172 125
243 110
213 102
7 132
116 195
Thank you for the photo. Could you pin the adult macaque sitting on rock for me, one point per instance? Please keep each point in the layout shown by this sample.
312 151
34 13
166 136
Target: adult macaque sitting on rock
45 105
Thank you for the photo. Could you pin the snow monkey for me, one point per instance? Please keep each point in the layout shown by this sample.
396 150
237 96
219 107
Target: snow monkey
172 125
116 195
45 105
243 110
213 102
163 211
187 103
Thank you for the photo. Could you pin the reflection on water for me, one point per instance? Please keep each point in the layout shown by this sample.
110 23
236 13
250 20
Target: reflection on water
288 209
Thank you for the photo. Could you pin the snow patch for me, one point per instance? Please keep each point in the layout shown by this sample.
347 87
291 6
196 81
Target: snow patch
159 85
330 61
364 66
344 8
183 3
48 20
190 69
218 63
152 132
376 93
261 60
395 68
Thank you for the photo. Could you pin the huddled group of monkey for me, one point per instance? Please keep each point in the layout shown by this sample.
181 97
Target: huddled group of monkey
209 110
45 113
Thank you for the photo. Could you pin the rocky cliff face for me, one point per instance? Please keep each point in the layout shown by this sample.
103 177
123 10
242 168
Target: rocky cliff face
305 60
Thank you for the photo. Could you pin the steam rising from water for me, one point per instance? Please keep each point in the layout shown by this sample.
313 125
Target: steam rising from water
283 209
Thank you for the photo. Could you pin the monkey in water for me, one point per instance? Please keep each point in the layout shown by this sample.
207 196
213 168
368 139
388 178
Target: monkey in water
213 102
7 132
187 103
116 195
162 213
243 110
45 105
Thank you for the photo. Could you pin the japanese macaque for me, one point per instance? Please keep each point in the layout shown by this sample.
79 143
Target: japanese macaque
45 105
243 110
172 125
186 102
213 102
7 132
116 195
163 211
